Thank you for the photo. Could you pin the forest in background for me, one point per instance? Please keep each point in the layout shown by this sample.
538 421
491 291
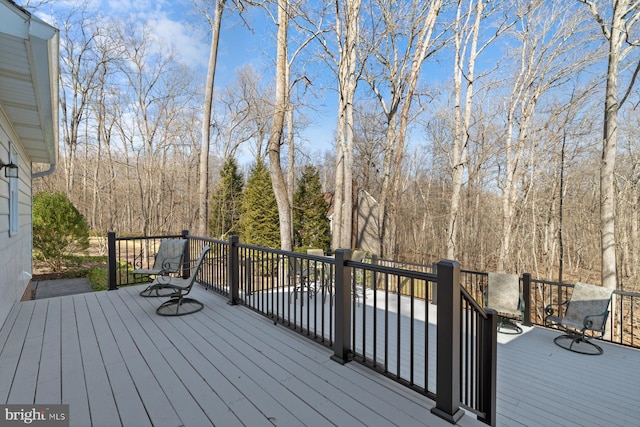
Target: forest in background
477 126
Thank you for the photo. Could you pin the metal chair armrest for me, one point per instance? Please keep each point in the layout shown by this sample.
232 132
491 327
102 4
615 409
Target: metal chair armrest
549 311
588 321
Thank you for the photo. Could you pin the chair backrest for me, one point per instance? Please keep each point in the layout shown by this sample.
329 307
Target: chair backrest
298 268
589 300
503 292
170 255
316 252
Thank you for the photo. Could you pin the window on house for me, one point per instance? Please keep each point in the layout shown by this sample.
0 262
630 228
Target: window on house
13 194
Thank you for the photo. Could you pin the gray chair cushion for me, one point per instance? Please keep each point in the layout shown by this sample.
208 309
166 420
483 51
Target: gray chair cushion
168 259
503 293
587 300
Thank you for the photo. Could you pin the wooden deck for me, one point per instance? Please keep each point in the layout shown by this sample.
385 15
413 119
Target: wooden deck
115 362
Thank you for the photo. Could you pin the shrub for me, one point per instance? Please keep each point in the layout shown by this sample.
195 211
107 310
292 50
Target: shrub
98 278
58 228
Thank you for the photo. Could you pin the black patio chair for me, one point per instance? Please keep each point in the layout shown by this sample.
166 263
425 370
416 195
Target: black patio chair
168 260
179 304
584 319
503 295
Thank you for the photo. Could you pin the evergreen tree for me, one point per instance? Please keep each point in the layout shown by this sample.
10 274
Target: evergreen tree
227 201
59 228
259 221
310 222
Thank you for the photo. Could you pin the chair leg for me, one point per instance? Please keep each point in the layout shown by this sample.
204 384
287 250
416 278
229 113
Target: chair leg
508 327
578 343
179 306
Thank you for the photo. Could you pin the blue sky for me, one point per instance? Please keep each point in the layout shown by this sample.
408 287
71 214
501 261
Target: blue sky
175 22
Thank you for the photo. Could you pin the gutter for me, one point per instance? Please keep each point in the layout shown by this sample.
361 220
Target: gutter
52 169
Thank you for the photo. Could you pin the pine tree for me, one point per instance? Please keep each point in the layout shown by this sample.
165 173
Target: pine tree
227 201
259 221
310 222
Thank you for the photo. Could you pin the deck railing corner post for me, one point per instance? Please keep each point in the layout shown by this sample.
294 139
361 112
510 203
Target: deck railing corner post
342 342
526 291
448 348
111 261
233 264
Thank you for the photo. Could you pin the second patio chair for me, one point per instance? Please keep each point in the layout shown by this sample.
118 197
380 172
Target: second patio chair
503 295
585 318
179 304
168 260
302 278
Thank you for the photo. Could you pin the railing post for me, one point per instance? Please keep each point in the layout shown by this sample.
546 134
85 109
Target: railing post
342 342
233 276
526 292
111 262
434 289
186 265
448 343
489 367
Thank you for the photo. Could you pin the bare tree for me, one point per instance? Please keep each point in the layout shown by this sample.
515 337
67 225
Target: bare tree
468 46
347 30
203 181
405 40
549 54
617 25
80 67
275 139
244 114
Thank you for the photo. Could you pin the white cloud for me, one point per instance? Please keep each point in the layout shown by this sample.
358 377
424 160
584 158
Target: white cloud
190 48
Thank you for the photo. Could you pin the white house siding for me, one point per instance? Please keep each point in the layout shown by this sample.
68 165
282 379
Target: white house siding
15 251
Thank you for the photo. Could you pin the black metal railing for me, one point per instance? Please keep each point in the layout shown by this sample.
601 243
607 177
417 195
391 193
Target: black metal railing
394 326
214 272
129 253
374 314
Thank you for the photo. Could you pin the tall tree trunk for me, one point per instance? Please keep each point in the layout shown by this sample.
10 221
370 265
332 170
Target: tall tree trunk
609 146
462 119
275 168
203 181
347 83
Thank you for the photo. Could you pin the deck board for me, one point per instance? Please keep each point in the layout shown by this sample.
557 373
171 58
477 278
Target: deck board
151 395
48 388
99 389
331 384
116 362
286 408
26 377
125 394
12 350
74 388
177 395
